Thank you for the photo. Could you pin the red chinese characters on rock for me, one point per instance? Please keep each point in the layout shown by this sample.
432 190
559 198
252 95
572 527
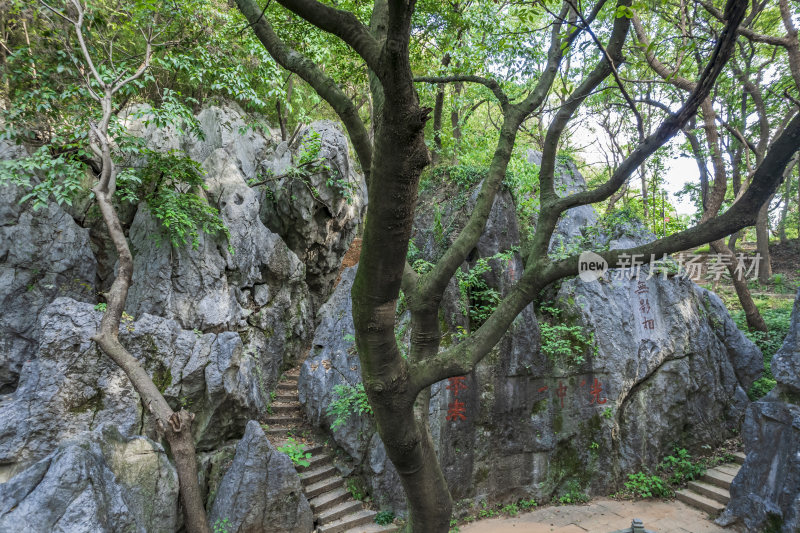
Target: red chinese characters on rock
595 391
456 410
594 394
561 392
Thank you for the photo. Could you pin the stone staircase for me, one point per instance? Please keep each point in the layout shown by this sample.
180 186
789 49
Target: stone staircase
335 510
711 493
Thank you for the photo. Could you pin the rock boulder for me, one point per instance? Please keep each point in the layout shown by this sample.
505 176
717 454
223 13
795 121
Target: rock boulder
765 495
261 491
93 484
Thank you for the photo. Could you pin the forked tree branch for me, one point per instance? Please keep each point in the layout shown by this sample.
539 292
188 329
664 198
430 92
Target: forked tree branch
673 123
462 358
490 83
434 282
540 272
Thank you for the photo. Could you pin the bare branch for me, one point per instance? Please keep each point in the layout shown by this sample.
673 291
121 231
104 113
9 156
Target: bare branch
488 82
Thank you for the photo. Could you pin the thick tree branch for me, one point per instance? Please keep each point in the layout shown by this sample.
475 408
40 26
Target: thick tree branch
434 282
488 82
295 62
612 55
463 358
342 24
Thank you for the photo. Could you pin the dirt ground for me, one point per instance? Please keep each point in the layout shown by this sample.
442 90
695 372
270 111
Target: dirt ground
603 516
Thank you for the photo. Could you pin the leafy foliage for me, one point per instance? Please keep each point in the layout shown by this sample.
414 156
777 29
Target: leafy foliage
355 486
478 300
296 452
170 184
644 485
384 518
563 342
574 494
350 401
778 321
682 467
221 525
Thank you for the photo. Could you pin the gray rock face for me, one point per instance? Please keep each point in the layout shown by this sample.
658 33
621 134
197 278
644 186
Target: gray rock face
317 215
223 126
766 492
333 361
651 364
71 387
261 491
44 254
211 288
95 483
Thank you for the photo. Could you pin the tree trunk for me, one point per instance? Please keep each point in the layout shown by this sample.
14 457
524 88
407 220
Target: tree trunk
612 202
643 176
455 121
176 426
437 124
754 319
400 155
280 119
762 244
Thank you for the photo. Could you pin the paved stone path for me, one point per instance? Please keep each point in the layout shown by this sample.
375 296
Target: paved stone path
604 516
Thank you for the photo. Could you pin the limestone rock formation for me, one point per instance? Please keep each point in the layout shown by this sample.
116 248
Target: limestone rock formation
261 491
71 386
766 492
318 214
257 286
95 483
43 254
214 325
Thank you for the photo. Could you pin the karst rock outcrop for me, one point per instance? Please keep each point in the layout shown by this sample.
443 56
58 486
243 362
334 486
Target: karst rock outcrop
214 324
766 492
657 363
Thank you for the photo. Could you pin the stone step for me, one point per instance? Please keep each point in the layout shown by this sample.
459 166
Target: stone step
329 499
731 469
348 522
284 397
711 491
288 386
339 511
285 408
315 448
374 528
309 477
720 479
321 487
283 420
739 457
699 502
277 431
316 461
290 378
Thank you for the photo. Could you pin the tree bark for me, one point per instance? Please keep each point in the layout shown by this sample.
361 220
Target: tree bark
175 426
762 244
455 121
754 319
